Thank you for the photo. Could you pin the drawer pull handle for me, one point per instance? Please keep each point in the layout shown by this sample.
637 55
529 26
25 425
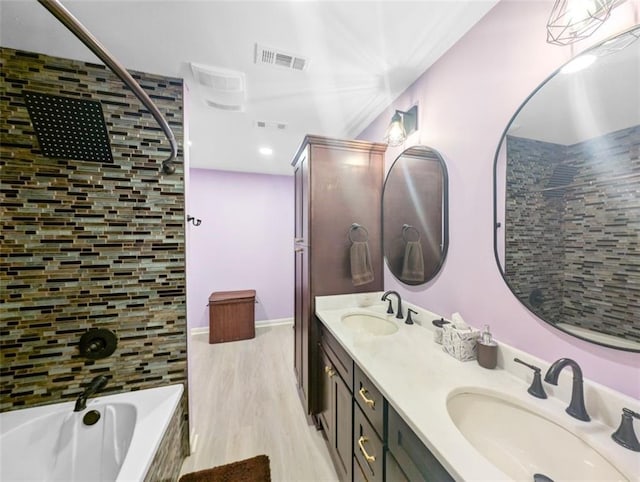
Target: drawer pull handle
367 457
368 401
299 250
329 371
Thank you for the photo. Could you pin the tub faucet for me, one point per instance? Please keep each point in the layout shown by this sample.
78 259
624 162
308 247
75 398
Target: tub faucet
576 407
390 310
96 384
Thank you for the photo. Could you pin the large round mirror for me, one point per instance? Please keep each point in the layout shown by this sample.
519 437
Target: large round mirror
567 197
414 215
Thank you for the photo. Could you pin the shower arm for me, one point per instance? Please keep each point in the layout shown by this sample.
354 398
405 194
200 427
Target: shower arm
69 21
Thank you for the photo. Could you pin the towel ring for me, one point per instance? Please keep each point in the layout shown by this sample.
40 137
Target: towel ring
356 227
407 227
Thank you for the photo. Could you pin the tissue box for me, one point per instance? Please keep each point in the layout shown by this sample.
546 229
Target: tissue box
460 344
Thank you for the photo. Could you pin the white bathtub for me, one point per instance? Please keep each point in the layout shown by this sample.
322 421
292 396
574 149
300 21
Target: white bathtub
51 443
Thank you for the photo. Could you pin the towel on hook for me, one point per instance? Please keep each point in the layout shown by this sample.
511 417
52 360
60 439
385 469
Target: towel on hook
361 269
413 263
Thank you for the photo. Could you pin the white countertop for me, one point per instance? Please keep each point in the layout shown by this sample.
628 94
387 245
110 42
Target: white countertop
417 377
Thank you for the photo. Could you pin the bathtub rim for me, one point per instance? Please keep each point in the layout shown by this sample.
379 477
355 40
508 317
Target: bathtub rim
155 407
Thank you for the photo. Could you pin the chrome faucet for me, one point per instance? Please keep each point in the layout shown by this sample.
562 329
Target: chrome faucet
96 384
399 313
576 407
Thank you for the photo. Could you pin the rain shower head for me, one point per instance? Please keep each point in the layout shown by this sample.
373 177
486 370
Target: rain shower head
69 21
69 128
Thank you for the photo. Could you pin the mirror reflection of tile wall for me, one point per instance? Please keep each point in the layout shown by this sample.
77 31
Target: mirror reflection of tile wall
572 230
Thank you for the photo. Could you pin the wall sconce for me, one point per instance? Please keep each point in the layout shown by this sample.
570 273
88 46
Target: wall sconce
573 20
402 125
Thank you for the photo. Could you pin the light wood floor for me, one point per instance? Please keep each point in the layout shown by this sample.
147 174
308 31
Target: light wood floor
246 404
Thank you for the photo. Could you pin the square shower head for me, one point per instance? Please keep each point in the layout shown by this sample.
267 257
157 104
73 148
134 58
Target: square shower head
69 128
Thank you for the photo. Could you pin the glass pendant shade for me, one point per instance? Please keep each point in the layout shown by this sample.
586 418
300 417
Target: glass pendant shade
396 133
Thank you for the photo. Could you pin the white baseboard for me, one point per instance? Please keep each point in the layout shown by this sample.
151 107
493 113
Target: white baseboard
193 441
276 322
200 330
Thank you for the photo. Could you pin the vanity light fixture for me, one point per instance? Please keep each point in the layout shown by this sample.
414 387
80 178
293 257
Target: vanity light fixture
573 20
402 124
265 151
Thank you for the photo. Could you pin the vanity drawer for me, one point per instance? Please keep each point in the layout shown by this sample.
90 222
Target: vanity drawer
342 361
368 449
358 473
416 461
370 400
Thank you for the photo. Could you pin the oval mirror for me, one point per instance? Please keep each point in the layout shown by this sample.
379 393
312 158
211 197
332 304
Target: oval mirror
567 197
414 215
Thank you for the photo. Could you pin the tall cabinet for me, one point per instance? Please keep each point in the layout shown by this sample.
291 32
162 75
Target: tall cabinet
337 183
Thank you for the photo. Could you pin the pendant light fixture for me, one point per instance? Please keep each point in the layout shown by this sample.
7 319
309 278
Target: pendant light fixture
402 125
574 20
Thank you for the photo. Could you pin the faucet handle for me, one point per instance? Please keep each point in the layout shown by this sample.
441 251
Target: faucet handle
625 435
389 307
409 320
536 389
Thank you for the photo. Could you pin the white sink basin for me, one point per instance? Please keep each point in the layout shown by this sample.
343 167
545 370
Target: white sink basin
522 443
369 323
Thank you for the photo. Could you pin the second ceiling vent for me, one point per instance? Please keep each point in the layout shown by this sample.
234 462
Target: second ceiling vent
221 88
270 56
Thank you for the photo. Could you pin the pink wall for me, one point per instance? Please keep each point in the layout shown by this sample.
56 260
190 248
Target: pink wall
465 101
245 241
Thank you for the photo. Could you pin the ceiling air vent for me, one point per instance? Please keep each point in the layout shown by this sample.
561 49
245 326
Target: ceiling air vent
221 88
228 107
270 56
271 125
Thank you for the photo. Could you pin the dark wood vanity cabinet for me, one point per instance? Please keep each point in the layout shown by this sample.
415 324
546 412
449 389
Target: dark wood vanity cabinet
337 183
411 457
336 408
367 439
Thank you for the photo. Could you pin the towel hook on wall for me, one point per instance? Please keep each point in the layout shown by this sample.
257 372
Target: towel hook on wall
194 221
356 227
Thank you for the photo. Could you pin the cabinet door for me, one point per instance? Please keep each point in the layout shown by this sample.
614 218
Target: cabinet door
343 426
393 472
302 295
417 462
301 317
326 410
336 416
345 189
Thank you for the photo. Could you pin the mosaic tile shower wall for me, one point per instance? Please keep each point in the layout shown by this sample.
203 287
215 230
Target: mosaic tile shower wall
534 226
594 280
87 244
602 268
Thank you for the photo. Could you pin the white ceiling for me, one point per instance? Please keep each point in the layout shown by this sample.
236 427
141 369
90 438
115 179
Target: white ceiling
362 54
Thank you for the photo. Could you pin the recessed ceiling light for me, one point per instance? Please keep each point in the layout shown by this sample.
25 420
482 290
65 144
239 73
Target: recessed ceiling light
265 151
579 63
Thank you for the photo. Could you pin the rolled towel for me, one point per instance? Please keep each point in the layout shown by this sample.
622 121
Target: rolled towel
413 264
361 269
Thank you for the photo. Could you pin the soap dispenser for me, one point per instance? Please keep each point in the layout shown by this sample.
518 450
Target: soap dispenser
487 349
